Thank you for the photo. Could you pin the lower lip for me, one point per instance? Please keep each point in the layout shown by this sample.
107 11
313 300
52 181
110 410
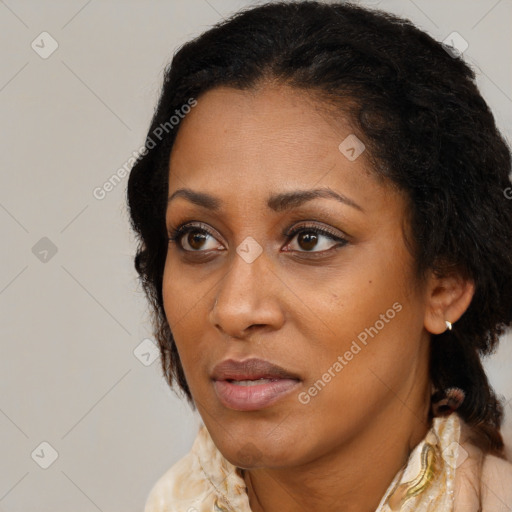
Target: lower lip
254 397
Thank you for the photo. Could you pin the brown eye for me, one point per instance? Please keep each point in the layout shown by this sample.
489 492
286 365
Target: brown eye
192 238
195 239
311 237
307 240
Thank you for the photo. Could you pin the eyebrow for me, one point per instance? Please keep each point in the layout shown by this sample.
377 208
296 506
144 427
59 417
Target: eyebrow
277 202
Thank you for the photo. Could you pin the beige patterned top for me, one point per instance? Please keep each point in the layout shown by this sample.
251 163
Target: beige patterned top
441 475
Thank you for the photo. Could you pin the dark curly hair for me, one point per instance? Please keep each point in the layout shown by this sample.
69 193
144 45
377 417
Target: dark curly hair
427 129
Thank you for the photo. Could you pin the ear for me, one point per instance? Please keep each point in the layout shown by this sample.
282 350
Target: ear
447 299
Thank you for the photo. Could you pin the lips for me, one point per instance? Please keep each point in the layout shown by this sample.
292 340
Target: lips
250 369
251 384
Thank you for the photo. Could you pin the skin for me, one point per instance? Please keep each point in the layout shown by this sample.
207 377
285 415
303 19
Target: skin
341 450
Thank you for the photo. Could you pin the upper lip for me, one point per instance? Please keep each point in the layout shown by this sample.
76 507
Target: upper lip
250 369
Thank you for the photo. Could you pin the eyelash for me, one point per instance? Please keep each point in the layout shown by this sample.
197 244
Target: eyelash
176 234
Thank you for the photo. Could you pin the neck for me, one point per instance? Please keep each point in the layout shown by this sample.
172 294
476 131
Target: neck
353 477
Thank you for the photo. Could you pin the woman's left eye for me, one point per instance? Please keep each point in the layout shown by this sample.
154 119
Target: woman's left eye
308 238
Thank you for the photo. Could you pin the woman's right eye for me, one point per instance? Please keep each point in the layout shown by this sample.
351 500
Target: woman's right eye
195 238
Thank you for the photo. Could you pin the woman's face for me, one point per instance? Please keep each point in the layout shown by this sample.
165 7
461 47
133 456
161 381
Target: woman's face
338 311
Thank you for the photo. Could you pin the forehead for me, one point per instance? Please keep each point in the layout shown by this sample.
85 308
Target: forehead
267 125
253 142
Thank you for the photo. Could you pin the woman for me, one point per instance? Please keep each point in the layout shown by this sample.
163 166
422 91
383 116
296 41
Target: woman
325 242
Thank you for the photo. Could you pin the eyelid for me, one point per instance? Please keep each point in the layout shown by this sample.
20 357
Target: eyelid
325 230
182 229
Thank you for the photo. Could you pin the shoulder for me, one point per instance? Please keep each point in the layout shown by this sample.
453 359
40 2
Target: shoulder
481 477
169 486
496 484
201 481
181 486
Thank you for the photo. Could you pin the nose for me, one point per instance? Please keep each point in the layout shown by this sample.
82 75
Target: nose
250 296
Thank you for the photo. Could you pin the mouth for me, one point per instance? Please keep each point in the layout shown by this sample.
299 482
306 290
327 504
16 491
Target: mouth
252 384
247 382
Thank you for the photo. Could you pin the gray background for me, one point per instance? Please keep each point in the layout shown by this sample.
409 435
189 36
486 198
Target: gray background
72 321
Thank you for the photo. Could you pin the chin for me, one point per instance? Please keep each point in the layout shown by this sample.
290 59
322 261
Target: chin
259 452
249 456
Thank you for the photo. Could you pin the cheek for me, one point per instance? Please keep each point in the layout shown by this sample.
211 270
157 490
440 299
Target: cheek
181 297
186 310
179 310
372 342
169 292
359 379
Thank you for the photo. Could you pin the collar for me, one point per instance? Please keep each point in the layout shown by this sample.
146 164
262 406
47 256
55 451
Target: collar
204 481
